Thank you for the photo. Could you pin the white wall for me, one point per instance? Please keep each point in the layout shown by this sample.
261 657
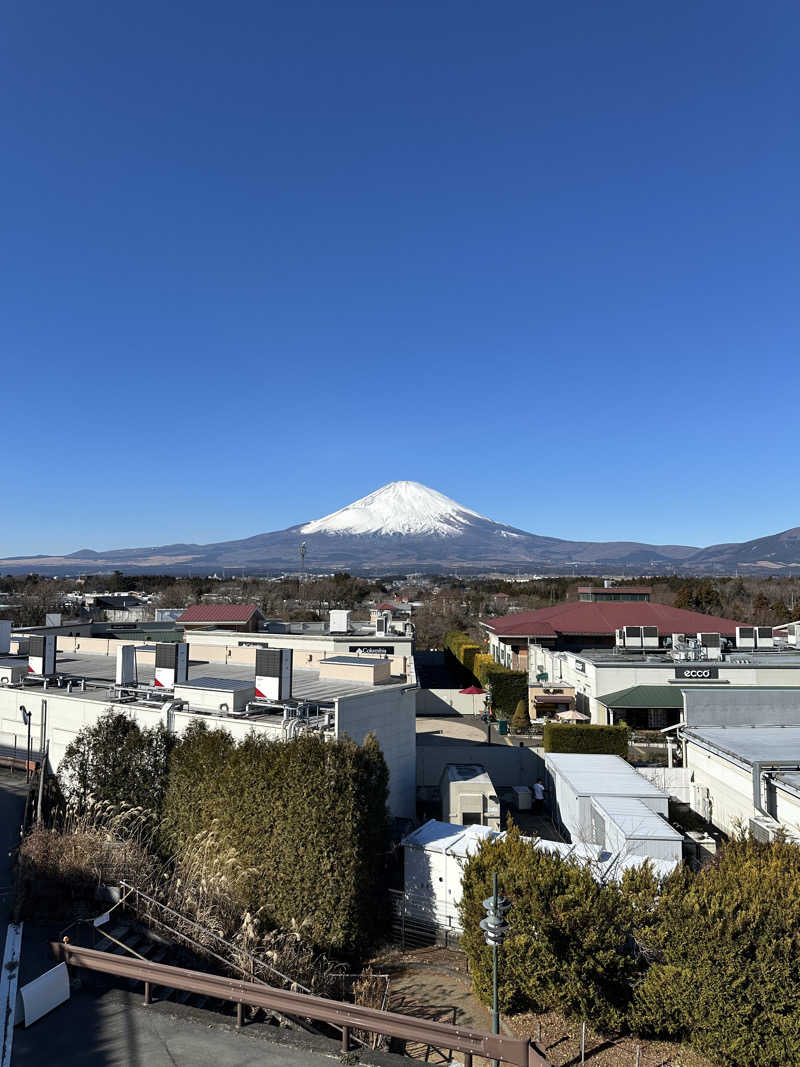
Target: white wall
390 714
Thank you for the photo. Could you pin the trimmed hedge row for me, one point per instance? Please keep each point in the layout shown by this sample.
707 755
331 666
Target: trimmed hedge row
507 687
599 740
463 647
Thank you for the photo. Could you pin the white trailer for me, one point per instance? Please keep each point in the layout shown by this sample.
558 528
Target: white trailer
434 857
574 779
626 826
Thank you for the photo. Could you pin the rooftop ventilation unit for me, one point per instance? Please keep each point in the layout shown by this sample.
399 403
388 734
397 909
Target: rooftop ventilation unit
5 637
764 638
126 665
172 665
711 645
745 637
650 636
274 673
11 673
339 622
634 637
42 655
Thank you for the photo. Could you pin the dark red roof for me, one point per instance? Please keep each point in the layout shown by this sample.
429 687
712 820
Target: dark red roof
605 617
237 613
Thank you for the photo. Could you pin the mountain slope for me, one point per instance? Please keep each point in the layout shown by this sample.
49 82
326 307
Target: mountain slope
408 526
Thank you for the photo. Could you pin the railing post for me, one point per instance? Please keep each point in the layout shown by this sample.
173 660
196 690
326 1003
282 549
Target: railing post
467 1059
239 1014
147 993
345 1039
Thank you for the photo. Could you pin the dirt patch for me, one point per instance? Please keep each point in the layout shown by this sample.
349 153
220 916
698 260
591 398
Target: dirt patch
561 1043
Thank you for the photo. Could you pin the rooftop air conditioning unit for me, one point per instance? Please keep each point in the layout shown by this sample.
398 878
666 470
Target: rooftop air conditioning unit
12 673
633 637
650 636
274 673
745 637
339 622
620 635
172 664
711 644
5 637
42 655
764 638
126 665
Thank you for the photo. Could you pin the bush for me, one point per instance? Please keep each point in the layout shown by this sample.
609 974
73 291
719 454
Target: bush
508 688
727 970
572 737
463 647
565 949
521 722
116 762
296 831
481 665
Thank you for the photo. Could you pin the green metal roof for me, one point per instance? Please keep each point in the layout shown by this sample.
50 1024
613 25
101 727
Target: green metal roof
645 696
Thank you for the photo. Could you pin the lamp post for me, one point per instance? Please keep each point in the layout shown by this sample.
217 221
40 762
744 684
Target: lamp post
26 718
494 928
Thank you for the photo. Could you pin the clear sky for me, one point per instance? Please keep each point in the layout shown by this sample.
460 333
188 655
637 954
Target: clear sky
258 259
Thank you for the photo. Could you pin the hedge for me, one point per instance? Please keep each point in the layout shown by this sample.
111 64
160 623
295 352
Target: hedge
303 824
463 647
508 688
571 737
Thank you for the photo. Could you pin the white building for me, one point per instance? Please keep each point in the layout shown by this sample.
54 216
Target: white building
326 698
742 751
602 800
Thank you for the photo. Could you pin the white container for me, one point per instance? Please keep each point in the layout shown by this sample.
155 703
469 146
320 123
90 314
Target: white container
523 797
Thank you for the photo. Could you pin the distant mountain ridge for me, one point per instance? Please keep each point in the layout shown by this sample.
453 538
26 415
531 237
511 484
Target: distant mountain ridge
407 526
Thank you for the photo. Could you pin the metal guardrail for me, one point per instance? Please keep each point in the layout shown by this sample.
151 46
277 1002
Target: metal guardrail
519 1052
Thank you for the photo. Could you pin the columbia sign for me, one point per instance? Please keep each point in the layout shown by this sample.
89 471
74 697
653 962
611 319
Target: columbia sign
699 674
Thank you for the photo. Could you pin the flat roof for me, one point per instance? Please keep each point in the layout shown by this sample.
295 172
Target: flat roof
467 772
306 683
597 775
449 837
635 819
365 661
750 744
226 684
660 658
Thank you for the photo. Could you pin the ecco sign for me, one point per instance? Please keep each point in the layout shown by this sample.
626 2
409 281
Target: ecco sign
700 674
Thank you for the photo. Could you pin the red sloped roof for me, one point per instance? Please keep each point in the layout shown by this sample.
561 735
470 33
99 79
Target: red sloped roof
600 617
219 613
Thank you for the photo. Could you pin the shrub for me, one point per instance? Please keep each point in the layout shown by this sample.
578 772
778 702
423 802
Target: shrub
572 737
521 721
565 949
726 974
508 688
463 647
294 831
481 665
114 761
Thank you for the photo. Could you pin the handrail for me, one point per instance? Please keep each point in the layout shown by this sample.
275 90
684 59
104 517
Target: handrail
520 1052
209 933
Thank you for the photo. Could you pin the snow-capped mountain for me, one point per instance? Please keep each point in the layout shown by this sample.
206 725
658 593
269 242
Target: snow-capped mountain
400 527
398 508
406 526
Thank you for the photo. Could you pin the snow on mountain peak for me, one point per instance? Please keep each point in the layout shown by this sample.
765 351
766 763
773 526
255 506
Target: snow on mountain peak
398 508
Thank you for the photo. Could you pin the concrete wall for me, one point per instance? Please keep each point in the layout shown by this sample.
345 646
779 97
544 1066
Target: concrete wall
507 765
448 702
390 715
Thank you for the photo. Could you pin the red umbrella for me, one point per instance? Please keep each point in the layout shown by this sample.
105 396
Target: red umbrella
473 691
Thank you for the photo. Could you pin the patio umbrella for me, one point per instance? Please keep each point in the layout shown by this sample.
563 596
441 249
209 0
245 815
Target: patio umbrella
473 691
572 716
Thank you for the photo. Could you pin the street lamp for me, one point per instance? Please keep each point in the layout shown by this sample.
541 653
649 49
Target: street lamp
494 928
26 718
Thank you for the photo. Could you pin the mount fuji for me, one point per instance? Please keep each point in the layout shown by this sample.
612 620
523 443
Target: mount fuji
402 526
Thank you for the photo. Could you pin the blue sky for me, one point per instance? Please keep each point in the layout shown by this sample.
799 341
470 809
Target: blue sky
257 259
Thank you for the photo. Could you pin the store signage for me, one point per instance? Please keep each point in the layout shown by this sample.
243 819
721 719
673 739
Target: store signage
697 674
580 665
366 650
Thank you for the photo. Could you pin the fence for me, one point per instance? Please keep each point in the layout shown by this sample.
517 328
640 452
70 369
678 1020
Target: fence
520 1052
409 931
